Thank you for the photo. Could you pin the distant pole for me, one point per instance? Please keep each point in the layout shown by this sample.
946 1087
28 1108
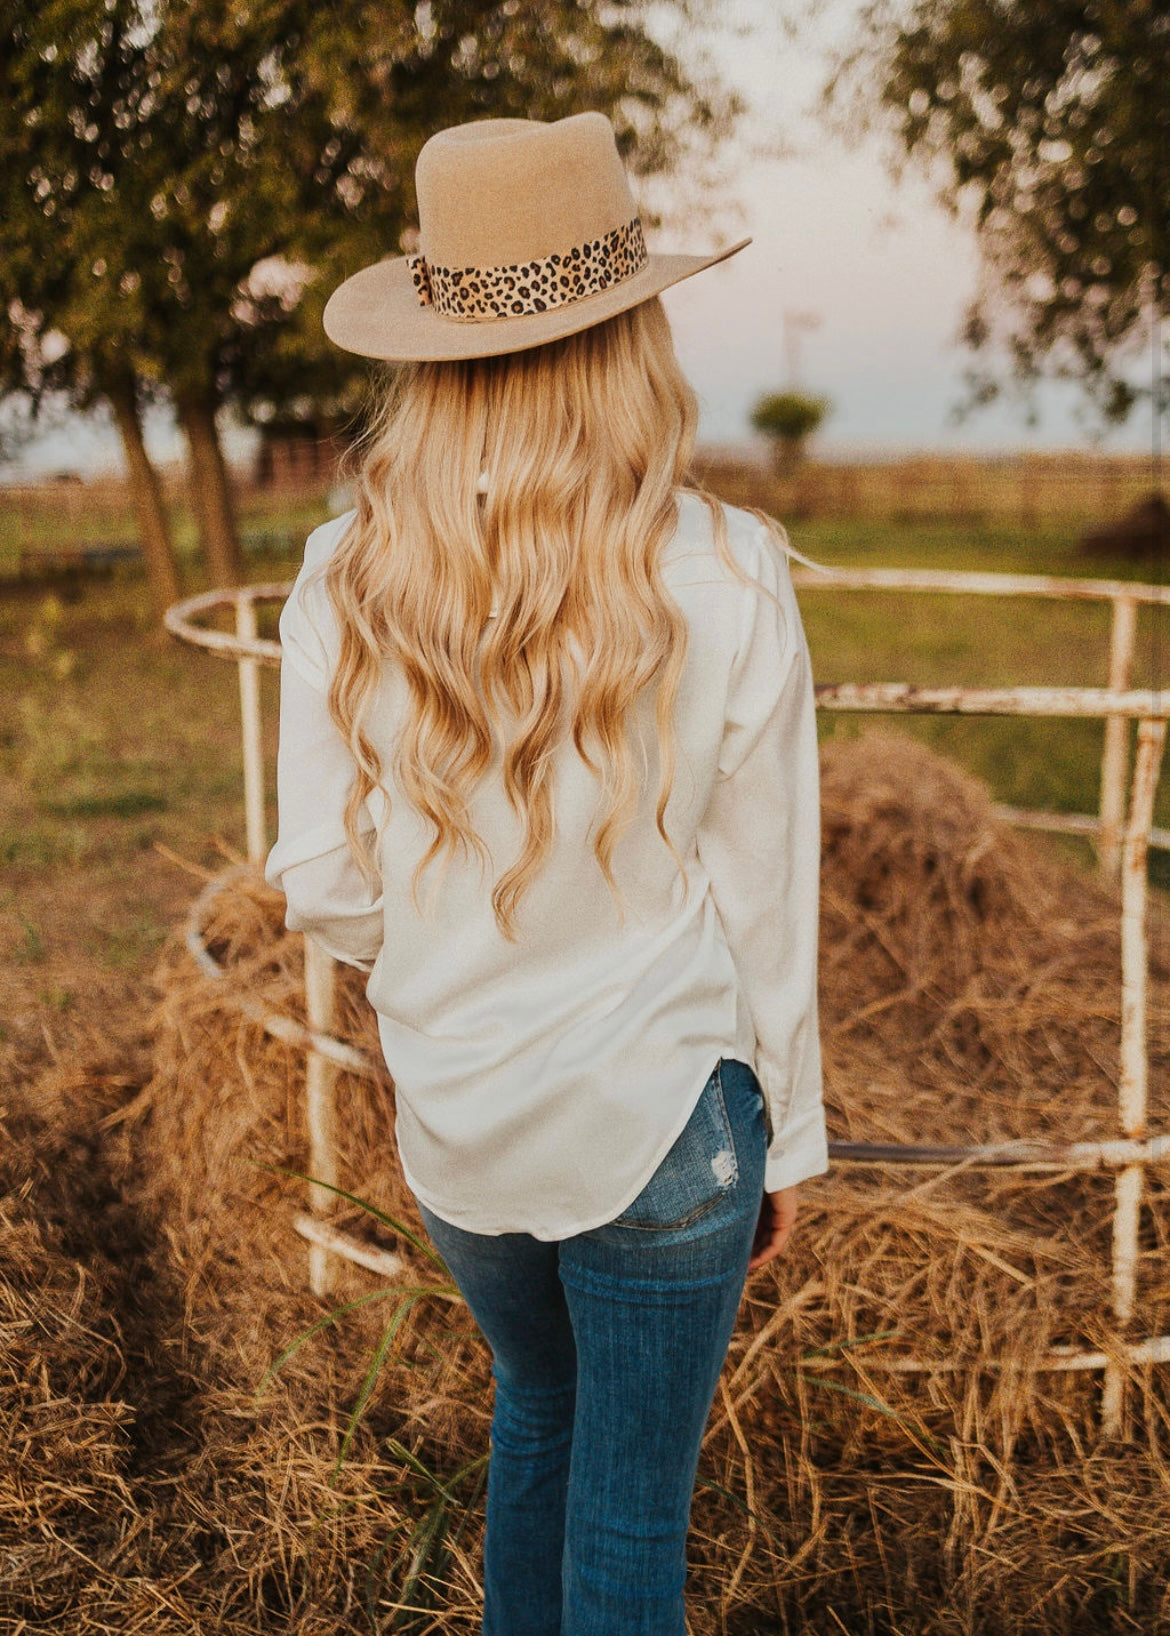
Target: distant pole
794 324
250 714
320 1105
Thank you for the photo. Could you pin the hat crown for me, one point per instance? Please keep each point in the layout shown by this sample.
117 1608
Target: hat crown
501 192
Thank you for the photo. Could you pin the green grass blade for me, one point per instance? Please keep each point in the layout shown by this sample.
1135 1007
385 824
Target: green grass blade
844 1346
401 1452
473 1499
472 1465
394 1225
428 1553
383 1347
372 1567
874 1403
307 1334
718 1488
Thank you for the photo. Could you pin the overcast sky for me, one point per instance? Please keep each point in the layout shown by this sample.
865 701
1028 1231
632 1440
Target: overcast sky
880 269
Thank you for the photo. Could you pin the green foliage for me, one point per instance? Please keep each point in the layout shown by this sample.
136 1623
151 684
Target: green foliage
1049 126
789 419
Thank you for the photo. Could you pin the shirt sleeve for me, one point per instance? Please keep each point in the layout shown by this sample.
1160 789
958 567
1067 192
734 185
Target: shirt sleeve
311 862
759 841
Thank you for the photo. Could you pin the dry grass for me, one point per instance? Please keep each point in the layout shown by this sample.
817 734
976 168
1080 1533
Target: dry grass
969 992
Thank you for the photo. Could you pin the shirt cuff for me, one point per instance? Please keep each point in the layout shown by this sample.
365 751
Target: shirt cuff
798 1143
353 938
799 1154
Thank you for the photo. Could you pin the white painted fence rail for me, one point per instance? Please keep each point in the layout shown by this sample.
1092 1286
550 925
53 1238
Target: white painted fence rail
1123 835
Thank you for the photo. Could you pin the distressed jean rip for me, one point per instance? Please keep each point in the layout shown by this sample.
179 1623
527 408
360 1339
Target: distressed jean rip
724 1167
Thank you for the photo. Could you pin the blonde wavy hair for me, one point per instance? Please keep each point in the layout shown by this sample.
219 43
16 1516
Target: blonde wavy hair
586 443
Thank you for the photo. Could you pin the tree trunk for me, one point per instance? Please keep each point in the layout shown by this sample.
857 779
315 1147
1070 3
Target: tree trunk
211 491
158 550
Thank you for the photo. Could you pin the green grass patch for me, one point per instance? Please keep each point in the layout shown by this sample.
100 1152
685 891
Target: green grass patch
58 999
991 547
129 941
39 848
272 526
30 948
127 804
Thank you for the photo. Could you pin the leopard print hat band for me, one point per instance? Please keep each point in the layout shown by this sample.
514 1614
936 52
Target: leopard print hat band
477 293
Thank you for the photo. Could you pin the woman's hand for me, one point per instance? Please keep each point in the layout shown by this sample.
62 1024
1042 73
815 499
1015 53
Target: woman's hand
774 1228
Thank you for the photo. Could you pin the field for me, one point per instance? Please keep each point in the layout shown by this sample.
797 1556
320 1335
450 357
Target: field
120 791
1029 496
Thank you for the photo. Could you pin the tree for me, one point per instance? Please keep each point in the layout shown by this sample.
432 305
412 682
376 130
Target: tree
1050 123
65 75
166 151
789 419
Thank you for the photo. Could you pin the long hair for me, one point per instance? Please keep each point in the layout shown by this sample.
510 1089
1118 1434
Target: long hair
585 443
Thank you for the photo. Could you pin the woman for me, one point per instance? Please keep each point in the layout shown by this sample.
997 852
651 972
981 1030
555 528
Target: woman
537 669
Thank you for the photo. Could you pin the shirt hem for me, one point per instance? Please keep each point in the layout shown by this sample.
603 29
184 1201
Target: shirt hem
546 1235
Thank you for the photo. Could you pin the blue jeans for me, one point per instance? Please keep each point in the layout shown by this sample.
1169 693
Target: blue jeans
607 1351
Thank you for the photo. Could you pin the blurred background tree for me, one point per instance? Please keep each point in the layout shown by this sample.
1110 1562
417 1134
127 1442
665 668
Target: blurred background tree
185 182
789 420
68 79
1050 123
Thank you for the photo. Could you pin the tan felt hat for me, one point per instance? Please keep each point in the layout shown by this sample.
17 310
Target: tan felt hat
527 232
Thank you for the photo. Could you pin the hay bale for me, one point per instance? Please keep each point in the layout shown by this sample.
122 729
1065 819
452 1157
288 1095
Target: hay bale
201 1151
226 1100
970 992
970 980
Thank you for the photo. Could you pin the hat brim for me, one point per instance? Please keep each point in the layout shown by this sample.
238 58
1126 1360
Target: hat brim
377 313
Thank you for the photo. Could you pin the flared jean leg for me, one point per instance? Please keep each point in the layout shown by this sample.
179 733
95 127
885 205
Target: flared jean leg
528 1480
650 1358
512 1286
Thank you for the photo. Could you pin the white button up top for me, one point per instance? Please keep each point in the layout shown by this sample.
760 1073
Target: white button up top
540 1084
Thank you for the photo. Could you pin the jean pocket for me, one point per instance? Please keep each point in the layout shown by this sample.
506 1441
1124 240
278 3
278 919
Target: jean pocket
699 1170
